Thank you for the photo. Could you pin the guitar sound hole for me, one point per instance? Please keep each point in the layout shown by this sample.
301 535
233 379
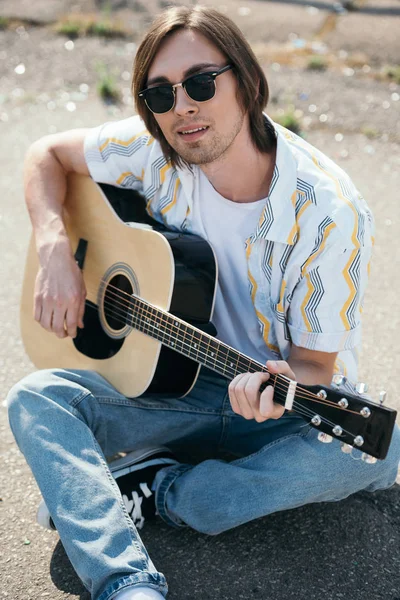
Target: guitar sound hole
116 302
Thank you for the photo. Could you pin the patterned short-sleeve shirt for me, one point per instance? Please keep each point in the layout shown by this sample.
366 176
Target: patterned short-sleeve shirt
308 259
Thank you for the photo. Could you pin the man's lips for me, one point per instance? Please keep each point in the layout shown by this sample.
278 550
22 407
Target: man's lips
191 129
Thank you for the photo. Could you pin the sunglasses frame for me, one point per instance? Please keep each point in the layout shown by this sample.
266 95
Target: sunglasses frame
182 84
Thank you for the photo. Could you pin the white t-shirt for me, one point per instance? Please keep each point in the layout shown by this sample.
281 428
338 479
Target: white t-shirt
226 225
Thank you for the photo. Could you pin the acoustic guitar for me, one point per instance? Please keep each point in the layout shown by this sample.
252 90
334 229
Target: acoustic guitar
147 322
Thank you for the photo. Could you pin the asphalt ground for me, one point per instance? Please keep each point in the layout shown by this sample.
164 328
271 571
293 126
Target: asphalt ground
349 549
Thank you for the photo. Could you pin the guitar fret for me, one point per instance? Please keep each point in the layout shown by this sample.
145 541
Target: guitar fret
189 341
232 360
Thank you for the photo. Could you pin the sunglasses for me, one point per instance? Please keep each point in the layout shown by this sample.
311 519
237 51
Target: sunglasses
200 88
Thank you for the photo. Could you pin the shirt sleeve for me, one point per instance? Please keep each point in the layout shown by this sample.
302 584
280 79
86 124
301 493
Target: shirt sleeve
116 152
325 311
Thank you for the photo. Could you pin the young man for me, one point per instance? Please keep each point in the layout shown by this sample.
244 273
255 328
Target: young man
292 237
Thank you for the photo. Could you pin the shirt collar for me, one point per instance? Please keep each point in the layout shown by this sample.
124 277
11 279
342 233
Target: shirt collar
278 219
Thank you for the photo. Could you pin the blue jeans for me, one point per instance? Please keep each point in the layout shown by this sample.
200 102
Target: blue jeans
67 422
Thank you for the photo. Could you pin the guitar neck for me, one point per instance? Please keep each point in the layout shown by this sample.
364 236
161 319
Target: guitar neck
197 345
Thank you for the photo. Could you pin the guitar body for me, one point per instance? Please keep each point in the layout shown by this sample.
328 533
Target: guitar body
175 272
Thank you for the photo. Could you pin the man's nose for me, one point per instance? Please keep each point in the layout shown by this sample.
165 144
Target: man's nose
183 104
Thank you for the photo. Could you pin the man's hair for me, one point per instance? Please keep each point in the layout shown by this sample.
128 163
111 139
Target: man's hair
252 85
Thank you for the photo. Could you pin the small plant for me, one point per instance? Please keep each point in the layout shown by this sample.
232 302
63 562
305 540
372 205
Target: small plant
4 22
370 132
317 63
289 120
106 86
105 29
392 72
72 29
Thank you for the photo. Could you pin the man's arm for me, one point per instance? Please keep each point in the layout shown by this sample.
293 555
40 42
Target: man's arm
304 366
59 291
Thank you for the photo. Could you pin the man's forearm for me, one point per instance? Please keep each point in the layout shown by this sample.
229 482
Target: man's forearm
45 188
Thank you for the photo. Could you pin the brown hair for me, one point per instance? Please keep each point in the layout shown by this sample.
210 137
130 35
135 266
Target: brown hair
227 37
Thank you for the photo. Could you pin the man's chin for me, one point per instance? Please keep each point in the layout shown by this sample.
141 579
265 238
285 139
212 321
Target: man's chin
196 155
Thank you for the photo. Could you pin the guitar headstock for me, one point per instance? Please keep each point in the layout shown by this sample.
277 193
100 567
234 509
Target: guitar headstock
347 417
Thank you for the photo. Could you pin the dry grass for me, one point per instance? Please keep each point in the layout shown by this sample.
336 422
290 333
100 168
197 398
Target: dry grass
77 25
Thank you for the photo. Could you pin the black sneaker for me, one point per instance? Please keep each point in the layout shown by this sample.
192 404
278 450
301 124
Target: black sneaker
134 474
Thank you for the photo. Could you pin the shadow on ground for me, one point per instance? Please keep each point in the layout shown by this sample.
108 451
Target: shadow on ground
328 548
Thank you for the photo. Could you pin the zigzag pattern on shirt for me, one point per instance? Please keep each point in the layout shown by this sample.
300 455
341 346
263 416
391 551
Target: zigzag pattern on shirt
285 257
275 177
324 228
265 326
351 273
266 262
286 332
308 190
93 156
169 199
128 180
267 218
360 221
114 146
158 170
313 297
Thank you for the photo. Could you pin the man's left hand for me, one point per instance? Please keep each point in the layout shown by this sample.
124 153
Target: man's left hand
245 397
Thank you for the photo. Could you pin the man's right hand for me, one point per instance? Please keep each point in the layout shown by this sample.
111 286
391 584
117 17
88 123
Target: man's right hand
60 292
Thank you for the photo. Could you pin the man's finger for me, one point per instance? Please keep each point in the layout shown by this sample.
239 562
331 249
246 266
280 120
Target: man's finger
58 322
268 408
281 367
237 396
71 320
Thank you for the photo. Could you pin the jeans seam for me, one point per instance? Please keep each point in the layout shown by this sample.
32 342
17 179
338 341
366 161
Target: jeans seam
226 422
79 398
132 529
161 494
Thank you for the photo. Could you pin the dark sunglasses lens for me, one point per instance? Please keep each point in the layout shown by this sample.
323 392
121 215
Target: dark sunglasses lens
160 99
200 87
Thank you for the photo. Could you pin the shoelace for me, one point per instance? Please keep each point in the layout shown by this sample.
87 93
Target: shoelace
134 506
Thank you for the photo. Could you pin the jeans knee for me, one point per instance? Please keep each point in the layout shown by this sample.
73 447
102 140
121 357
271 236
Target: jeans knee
388 468
38 392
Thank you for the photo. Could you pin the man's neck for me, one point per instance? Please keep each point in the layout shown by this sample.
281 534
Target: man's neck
242 174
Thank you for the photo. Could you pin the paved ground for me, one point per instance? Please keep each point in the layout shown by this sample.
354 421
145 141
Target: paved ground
332 551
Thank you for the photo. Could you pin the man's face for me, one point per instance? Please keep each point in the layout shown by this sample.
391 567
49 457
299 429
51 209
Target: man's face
187 53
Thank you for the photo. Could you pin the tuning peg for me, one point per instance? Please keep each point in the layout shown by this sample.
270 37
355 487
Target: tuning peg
371 460
324 437
382 396
338 379
346 448
361 388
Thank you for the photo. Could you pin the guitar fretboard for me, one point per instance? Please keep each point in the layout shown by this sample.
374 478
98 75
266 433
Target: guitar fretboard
194 343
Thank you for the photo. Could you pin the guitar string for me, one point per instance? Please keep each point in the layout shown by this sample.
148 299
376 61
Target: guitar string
301 410
309 395
279 387
221 346
210 360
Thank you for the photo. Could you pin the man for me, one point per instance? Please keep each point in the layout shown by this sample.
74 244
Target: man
285 222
